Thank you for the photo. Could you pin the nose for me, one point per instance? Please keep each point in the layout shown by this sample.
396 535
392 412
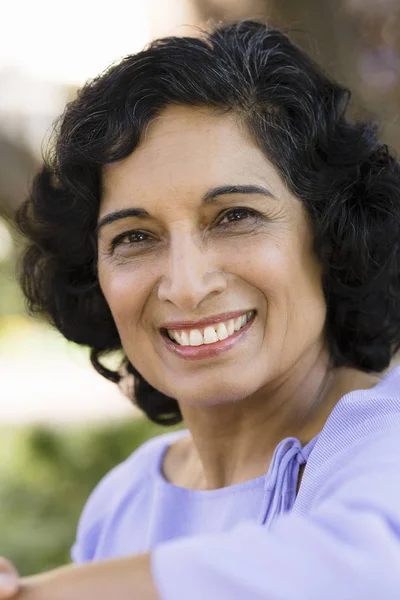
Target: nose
191 276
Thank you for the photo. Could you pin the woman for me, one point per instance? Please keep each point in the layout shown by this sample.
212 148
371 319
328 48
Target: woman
211 211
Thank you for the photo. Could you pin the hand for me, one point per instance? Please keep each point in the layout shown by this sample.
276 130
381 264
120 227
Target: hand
9 579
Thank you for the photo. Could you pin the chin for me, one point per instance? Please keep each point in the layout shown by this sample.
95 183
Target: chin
211 395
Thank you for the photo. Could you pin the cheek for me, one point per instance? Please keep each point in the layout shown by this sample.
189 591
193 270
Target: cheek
126 291
289 278
305 300
266 265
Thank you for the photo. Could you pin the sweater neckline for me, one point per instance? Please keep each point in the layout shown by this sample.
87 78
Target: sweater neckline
290 444
302 454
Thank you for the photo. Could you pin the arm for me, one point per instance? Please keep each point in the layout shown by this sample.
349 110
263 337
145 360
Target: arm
124 579
347 547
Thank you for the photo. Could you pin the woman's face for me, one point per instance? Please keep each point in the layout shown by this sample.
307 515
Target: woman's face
205 259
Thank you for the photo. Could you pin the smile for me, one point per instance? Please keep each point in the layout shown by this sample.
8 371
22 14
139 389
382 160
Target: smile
211 334
208 338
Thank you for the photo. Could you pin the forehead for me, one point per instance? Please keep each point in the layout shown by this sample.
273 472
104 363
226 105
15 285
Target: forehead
189 148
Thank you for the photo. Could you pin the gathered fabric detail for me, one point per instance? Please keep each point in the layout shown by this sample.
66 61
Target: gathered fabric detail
282 479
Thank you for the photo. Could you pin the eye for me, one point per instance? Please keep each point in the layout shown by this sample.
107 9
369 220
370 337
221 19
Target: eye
130 238
238 214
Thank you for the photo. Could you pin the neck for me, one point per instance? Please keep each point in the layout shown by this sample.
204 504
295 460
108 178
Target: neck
232 443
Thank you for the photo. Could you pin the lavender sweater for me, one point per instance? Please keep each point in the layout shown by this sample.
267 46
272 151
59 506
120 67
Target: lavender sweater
339 539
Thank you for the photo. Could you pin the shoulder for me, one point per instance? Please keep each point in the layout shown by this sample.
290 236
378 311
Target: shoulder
365 412
126 478
140 465
363 431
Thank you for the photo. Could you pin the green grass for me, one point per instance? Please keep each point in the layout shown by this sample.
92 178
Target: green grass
46 476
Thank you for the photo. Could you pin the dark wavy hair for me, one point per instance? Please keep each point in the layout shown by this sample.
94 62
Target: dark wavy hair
346 179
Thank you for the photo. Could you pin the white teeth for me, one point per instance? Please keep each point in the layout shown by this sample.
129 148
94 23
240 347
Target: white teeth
196 339
185 339
172 335
231 327
210 335
222 331
238 323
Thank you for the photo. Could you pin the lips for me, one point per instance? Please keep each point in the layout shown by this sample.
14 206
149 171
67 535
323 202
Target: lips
199 338
209 334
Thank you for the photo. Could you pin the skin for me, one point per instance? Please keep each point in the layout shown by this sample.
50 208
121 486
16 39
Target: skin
8 579
94 581
188 260
194 260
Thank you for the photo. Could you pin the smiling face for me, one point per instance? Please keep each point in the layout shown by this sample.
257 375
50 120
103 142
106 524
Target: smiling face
201 243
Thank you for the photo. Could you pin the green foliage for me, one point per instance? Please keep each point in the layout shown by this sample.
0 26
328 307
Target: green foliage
46 476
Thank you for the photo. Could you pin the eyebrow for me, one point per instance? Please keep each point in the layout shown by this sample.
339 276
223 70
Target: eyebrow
122 214
209 197
221 190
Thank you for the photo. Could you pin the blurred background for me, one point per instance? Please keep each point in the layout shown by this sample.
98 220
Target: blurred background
61 425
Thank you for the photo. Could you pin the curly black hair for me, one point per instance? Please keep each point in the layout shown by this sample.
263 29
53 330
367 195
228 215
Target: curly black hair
347 180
